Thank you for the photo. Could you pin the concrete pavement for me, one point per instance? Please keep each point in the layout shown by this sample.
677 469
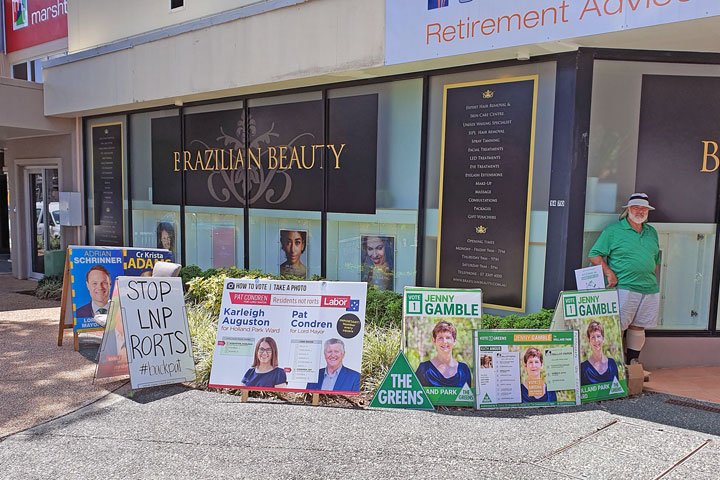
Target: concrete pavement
85 431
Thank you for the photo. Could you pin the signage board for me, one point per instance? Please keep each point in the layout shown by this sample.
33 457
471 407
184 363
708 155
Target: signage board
93 271
595 315
34 22
401 388
485 188
283 335
526 368
416 31
108 184
147 334
437 341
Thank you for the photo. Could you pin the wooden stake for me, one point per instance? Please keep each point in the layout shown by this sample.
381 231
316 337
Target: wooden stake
245 395
66 295
316 399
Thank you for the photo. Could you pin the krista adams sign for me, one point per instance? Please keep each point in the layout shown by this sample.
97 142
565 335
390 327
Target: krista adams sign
33 22
418 31
285 164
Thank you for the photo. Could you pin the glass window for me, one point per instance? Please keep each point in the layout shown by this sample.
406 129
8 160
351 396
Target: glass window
214 226
540 172
155 225
381 247
687 249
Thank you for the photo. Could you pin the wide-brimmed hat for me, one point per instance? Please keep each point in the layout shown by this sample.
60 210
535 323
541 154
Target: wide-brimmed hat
639 200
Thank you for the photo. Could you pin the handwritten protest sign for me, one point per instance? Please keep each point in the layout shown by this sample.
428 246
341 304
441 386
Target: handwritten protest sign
156 333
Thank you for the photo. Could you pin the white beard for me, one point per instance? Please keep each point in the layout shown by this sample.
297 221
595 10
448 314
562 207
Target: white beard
640 218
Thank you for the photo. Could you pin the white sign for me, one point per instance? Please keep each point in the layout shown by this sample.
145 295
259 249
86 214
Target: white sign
419 31
290 336
590 278
157 336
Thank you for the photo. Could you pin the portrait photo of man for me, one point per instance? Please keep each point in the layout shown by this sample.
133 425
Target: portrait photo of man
336 376
98 283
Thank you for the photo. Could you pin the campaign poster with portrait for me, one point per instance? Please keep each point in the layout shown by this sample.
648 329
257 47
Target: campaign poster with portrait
293 252
377 260
438 343
93 271
595 314
526 368
297 336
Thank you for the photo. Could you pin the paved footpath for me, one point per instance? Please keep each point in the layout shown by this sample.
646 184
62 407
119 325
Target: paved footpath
88 431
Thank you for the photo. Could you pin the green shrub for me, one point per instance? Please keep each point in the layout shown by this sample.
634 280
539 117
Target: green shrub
383 308
380 346
190 272
50 287
203 329
539 320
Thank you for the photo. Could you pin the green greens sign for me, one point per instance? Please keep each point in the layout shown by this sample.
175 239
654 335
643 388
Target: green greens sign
595 315
526 368
437 340
401 388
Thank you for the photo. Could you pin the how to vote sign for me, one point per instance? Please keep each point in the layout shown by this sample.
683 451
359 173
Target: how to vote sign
526 368
282 335
153 334
595 314
401 388
437 340
93 271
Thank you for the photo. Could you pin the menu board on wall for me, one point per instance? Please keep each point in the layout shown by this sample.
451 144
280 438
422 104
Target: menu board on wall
107 167
486 172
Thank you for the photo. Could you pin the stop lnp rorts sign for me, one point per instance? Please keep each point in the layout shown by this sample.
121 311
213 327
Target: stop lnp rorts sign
157 336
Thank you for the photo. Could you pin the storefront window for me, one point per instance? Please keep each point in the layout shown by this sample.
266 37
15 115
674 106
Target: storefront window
493 200
381 247
630 119
154 225
214 229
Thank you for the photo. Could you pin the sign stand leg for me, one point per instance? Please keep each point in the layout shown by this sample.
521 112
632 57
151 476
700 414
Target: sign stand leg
316 399
65 296
245 395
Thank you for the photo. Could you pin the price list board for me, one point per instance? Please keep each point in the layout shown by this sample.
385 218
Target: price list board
107 164
485 188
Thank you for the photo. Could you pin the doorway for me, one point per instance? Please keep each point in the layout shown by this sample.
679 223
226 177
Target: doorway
43 217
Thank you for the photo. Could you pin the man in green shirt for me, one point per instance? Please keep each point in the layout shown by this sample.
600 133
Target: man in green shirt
629 254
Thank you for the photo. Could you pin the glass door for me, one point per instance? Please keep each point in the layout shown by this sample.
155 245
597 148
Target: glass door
44 216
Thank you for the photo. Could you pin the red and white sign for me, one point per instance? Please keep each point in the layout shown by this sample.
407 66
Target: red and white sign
34 22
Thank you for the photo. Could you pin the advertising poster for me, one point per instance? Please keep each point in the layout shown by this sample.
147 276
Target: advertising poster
296 336
487 161
93 271
377 257
112 357
166 236
438 343
595 315
157 335
526 368
293 252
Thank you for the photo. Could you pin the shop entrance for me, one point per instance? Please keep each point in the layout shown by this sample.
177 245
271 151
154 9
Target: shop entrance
43 219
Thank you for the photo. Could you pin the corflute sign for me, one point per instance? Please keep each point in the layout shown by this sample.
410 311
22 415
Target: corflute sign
415 31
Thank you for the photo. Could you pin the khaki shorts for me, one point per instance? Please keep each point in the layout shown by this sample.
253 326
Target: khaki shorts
638 309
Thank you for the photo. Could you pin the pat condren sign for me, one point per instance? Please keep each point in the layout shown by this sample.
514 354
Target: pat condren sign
33 22
419 31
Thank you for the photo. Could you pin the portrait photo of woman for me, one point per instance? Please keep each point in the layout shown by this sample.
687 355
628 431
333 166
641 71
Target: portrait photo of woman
264 371
486 361
598 368
378 258
166 236
534 389
443 370
293 244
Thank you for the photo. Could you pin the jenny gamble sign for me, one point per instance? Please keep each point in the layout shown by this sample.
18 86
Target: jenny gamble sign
285 164
485 188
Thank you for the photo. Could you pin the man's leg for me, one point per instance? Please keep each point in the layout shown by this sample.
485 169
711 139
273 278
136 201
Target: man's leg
645 317
635 340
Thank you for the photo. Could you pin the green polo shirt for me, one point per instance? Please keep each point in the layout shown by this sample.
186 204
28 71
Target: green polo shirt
631 255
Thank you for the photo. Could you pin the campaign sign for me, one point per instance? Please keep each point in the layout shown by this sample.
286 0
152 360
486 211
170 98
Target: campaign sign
526 368
595 315
437 340
157 335
401 388
290 336
93 271
112 357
